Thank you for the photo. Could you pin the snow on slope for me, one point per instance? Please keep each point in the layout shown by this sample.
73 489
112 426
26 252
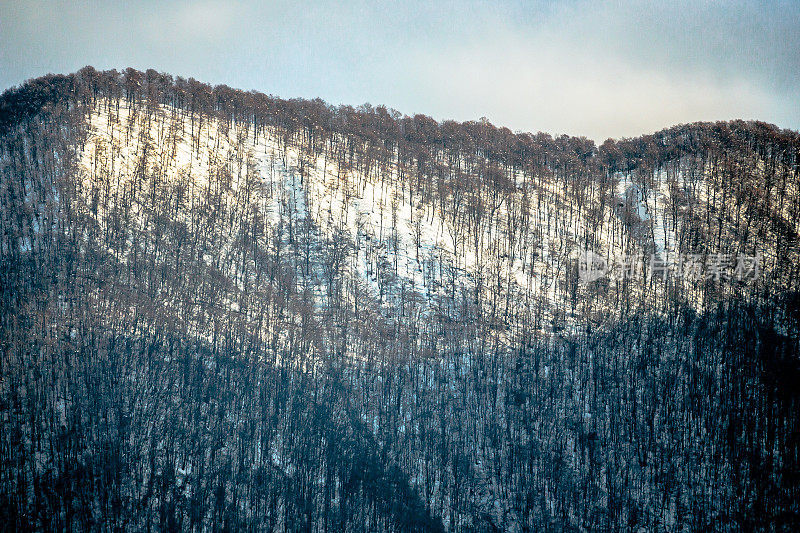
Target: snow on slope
400 247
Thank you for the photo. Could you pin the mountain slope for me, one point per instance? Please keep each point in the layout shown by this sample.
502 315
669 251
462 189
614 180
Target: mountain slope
225 308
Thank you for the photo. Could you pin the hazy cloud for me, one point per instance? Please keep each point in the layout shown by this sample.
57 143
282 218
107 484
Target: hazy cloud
598 69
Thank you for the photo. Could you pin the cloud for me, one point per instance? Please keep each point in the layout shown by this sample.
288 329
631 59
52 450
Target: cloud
599 75
190 23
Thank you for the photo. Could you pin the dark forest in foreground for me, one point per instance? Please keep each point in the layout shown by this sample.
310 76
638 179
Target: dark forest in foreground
188 343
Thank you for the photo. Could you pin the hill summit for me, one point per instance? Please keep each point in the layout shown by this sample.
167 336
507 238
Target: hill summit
222 308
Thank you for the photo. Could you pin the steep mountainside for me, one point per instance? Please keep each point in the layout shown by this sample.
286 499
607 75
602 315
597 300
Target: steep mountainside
223 308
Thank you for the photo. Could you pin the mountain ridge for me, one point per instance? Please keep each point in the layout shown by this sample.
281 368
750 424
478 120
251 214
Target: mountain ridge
27 99
225 309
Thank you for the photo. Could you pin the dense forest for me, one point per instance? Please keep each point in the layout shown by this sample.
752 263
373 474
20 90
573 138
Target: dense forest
222 310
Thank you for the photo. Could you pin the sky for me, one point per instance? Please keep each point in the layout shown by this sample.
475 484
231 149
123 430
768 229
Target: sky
599 69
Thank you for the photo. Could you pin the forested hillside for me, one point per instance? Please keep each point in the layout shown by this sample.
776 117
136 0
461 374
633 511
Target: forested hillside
224 310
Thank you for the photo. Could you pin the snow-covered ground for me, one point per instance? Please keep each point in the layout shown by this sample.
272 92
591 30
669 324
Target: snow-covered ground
399 247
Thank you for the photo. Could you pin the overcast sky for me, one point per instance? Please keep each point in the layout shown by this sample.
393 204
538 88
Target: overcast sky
582 68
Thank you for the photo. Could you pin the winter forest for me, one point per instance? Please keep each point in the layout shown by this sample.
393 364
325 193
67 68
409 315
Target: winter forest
222 311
